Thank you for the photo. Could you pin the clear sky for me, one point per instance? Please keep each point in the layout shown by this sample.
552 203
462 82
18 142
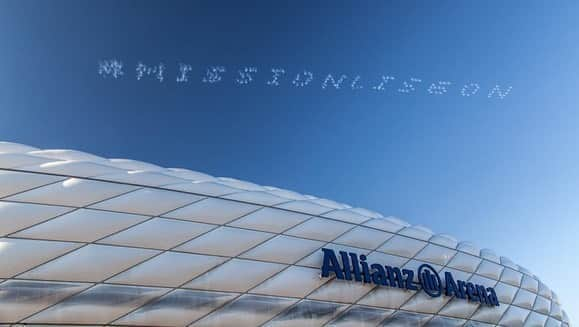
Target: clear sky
502 173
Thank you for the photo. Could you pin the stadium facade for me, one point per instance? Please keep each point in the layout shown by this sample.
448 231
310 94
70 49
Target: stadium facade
86 240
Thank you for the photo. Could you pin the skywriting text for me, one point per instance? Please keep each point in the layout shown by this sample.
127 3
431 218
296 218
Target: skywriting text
184 73
356 268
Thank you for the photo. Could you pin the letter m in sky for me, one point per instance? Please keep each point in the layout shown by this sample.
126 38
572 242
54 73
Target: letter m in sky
113 68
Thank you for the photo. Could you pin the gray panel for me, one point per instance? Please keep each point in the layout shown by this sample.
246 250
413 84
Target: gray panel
439 321
98 305
177 308
247 311
21 298
307 313
358 316
406 319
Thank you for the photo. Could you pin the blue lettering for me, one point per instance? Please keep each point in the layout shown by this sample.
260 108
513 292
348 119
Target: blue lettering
331 264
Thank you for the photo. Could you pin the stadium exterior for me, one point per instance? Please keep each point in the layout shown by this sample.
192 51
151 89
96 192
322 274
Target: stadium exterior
91 241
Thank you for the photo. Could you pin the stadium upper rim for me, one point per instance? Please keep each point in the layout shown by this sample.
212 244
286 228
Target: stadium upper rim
78 164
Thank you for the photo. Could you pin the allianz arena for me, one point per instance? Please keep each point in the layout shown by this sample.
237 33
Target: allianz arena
89 241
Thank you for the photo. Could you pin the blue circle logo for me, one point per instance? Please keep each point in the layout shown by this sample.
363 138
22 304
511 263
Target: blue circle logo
429 280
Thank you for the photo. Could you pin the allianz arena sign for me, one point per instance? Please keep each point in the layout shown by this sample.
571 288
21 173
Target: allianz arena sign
355 268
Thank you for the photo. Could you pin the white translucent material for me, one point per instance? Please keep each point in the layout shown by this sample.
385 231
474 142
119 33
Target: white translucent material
72 192
320 229
490 269
422 302
213 211
385 297
169 269
93 263
525 299
444 240
205 188
468 248
154 233
542 305
16 160
489 255
147 202
225 241
418 232
465 262
235 275
385 224
294 281
505 292
283 249
11 147
258 197
174 247
306 207
490 314
363 237
436 254
459 309
402 246
16 216
529 283
64 154
73 168
18 256
82 225
535 320
270 220
512 277
514 317
347 216
16 182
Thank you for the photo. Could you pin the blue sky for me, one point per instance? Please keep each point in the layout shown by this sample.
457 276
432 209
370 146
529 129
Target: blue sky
503 174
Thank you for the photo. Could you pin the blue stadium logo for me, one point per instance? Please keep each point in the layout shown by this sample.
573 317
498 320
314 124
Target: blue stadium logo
429 280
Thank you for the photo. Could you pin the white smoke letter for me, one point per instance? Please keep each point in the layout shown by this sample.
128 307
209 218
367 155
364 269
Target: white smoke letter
184 69
382 85
409 87
355 85
439 89
245 76
213 74
337 84
111 67
500 93
300 81
277 72
469 89
156 71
